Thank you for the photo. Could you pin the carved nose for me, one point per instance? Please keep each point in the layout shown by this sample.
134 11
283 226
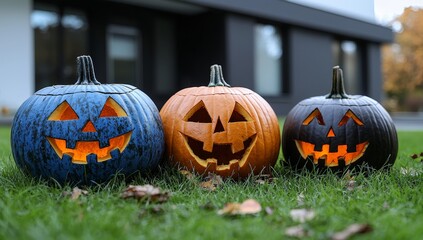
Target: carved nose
89 127
331 133
219 126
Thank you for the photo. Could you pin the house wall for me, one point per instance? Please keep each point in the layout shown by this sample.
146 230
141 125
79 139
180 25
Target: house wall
16 53
239 51
374 71
310 64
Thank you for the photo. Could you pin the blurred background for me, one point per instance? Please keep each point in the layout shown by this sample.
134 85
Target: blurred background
283 50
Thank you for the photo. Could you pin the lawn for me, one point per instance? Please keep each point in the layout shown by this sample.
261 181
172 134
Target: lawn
391 203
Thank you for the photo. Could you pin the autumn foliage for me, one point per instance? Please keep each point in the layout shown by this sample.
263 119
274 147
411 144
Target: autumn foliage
403 63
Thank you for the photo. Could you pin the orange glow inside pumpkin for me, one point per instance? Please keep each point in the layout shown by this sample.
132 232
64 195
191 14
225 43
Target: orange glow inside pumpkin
331 159
112 109
85 148
64 112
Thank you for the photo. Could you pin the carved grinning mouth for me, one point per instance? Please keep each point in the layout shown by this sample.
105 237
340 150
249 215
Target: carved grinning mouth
221 156
84 148
331 159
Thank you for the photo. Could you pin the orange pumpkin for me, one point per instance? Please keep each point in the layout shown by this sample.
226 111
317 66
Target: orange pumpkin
230 131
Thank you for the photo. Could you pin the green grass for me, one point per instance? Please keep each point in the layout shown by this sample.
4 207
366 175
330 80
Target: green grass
391 203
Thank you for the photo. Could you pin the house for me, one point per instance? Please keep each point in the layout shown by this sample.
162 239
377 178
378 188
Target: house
283 50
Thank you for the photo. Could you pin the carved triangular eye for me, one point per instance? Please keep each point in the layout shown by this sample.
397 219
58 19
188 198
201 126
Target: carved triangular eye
112 109
199 114
63 112
239 114
349 114
315 114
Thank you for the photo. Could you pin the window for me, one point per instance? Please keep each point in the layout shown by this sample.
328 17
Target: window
347 54
268 51
60 35
123 55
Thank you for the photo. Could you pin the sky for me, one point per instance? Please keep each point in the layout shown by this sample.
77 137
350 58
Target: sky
387 10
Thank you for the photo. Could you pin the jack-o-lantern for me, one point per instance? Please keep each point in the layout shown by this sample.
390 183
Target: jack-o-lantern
87 132
338 131
230 131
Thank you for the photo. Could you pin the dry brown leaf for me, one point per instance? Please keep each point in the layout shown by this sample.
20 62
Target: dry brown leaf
350 182
75 194
212 182
208 185
249 206
414 156
352 230
296 231
351 185
145 193
302 215
187 174
264 178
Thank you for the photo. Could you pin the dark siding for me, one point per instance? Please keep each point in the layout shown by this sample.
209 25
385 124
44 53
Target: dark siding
200 45
310 64
239 71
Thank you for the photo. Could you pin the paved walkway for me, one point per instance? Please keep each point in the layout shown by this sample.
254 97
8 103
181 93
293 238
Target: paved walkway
408 121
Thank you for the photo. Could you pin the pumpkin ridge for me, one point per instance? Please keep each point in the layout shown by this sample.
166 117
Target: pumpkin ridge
130 90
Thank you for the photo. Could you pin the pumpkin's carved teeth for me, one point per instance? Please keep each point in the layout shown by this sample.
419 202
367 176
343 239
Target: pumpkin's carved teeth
331 159
83 149
221 157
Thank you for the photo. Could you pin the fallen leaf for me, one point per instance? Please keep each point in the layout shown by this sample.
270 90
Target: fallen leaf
208 185
296 231
187 174
302 215
212 182
352 230
75 194
145 193
421 154
414 156
351 185
264 178
249 206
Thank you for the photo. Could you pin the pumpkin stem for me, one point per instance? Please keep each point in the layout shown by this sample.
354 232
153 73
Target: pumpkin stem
216 76
86 75
338 90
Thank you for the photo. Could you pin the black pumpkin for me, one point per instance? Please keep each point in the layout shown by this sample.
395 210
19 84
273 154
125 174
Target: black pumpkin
338 131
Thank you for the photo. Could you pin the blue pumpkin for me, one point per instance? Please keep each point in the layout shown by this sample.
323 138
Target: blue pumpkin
87 132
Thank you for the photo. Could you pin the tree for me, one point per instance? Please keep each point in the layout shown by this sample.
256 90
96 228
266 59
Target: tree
403 62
